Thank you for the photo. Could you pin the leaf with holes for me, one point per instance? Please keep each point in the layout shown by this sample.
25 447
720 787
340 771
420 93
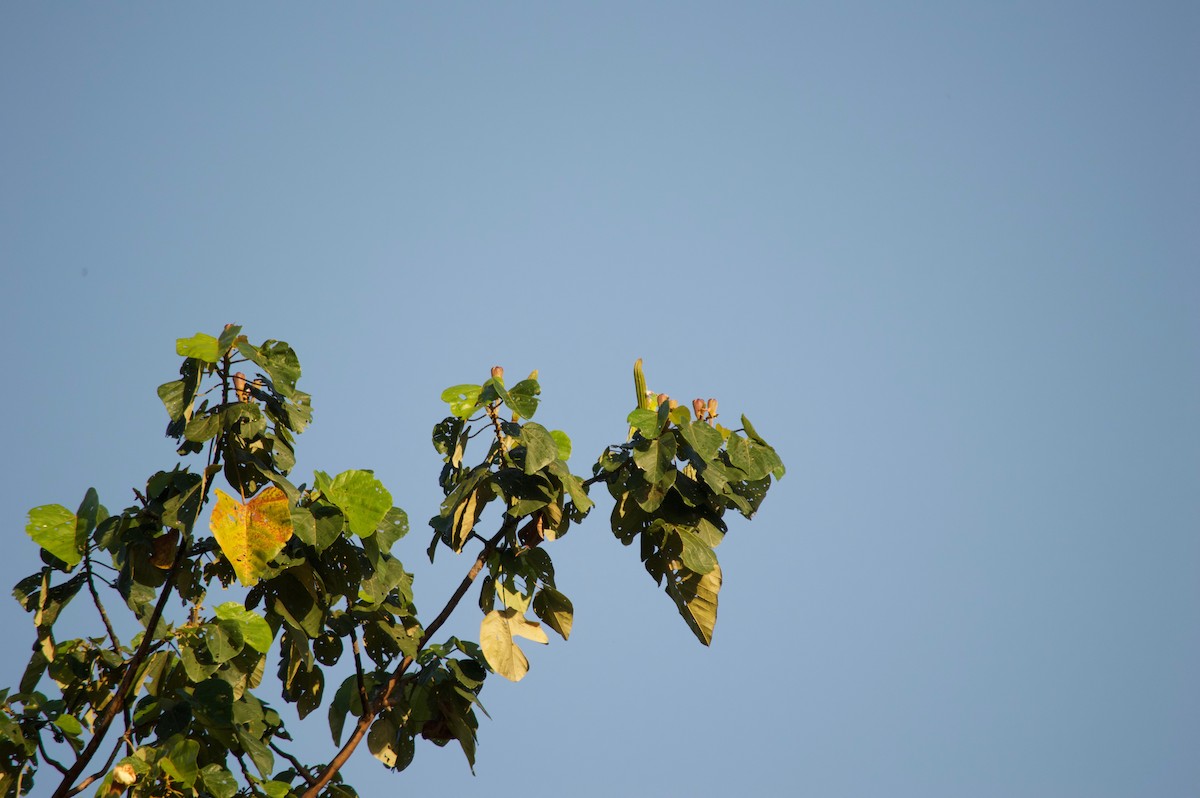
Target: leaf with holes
496 634
251 534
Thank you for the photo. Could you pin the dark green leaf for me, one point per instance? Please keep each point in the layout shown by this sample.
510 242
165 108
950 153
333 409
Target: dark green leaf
218 781
540 447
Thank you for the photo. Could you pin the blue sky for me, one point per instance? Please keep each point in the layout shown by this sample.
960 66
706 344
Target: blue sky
945 256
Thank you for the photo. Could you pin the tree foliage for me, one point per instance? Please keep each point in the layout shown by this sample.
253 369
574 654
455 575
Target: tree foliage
176 701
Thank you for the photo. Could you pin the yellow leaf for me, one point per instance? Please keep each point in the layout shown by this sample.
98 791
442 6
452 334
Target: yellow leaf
695 596
251 534
496 634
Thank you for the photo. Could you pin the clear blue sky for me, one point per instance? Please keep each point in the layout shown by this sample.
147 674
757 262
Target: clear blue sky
945 255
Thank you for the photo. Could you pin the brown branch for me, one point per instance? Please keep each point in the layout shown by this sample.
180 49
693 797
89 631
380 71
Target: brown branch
300 768
383 699
83 785
100 729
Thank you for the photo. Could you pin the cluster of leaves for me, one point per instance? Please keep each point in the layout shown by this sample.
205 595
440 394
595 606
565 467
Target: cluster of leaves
319 580
673 482
525 472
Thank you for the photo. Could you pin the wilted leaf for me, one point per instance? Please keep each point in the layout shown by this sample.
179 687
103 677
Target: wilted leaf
555 609
695 595
251 534
496 634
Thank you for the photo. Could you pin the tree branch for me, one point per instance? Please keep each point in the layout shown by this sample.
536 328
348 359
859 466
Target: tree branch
100 729
300 768
383 699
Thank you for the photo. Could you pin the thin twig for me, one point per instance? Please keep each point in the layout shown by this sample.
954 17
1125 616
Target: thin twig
87 565
300 768
83 785
61 768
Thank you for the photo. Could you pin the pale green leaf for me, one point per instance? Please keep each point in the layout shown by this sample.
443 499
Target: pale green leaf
563 442
362 499
496 633
463 399
201 346
255 630
55 529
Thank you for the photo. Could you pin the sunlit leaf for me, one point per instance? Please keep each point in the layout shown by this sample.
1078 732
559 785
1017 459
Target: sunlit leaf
695 596
496 634
255 630
563 442
555 609
462 399
54 528
201 346
523 398
362 499
251 534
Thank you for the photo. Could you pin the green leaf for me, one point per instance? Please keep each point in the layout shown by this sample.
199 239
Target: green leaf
362 499
646 422
496 633
393 527
179 760
703 439
540 447
201 428
555 609
382 741
218 781
201 346
522 398
254 629
463 399
755 460
563 442
224 640
281 364
87 515
55 529
69 724
655 457
697 556
260 755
